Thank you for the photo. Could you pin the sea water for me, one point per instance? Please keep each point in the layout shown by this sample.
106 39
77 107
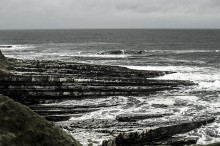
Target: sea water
192 54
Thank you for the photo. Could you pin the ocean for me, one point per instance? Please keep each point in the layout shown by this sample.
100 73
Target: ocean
192 53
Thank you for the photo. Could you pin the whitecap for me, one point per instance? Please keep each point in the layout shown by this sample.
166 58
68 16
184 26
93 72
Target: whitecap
164 68
215 85
189 98
98 56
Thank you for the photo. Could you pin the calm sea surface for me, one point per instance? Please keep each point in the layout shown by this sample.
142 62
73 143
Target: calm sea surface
193 54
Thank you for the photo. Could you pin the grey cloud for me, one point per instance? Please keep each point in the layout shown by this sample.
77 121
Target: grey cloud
109 13
171 6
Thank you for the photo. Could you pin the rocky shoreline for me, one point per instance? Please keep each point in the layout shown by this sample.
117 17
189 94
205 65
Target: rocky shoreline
42 84
59 80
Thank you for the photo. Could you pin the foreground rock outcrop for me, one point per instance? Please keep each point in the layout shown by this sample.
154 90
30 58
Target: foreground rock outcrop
3 64
22 127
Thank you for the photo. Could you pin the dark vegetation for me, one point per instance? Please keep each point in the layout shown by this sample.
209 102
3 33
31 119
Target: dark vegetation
22 127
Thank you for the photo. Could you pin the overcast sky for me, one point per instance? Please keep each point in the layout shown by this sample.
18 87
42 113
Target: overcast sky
43 14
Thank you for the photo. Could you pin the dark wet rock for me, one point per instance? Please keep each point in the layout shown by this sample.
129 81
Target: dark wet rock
5 46
57 118
55 112
173 141
55 106
1 56
3 64
141 132
159 105
212 144
114 52
179 102
20 126
121 52
135 117
63 112
96 123
178 141
137 52
162 131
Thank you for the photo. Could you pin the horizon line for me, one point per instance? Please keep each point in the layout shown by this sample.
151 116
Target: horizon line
109 28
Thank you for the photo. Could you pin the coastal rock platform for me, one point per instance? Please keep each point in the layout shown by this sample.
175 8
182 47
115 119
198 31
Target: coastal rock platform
37 80
100 104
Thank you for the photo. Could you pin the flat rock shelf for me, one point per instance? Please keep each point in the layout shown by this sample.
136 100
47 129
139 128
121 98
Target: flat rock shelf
93 102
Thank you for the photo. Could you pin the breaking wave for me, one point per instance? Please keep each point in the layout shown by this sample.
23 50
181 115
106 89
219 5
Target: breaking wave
136 52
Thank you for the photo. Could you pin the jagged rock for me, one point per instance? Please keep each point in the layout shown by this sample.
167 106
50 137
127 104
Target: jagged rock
65 111
173 141
178 141
95 123
159 105
161 131
135 117
127 133
114 52
20 126
1 55
212 144
57 118
55 106
3 64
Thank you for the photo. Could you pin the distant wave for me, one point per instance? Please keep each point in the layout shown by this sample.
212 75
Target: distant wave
61 56
133 52
98 56
62 43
